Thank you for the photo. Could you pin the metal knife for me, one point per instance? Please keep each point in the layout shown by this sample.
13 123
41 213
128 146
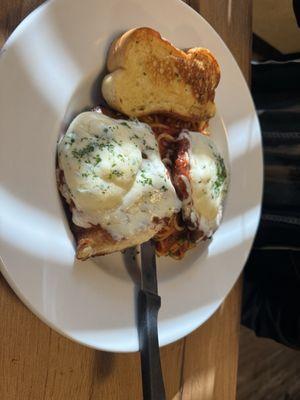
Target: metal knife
148 306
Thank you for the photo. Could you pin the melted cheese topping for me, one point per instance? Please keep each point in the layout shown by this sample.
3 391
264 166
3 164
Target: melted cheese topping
208 182
114 175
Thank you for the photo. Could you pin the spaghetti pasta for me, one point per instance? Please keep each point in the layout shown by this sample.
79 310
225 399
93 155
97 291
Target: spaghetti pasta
175 238
177 226
166 136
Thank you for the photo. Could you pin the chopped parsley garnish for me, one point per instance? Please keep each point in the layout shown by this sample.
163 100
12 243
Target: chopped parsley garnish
134 137
114 140
221 175
109 146
97 159
121 157
149 148
83 152
164 188
125 124
115 172
145 179
84 175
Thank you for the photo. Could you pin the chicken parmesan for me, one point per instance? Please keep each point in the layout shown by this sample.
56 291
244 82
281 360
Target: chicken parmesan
119 191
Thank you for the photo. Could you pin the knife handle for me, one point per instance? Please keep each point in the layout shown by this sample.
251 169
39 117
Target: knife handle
153 385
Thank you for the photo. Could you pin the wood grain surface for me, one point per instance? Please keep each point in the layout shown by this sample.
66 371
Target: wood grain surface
36 363
267 369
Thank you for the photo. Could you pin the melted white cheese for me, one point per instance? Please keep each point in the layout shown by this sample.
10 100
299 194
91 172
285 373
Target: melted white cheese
208 183
114 175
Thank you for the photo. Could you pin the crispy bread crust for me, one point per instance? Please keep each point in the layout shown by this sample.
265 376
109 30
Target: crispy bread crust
96 241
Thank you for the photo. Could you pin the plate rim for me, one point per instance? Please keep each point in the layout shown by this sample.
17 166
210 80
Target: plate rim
5 271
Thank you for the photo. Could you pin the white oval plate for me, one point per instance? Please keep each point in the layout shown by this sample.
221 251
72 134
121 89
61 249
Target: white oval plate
49 70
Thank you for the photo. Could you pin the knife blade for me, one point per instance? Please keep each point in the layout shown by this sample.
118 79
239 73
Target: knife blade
148 306
148 267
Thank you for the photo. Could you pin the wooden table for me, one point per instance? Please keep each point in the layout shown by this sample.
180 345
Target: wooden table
36 363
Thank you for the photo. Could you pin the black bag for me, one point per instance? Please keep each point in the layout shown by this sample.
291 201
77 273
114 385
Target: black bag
271 297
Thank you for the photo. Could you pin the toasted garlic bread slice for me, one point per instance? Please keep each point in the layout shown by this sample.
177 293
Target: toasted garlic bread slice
148 75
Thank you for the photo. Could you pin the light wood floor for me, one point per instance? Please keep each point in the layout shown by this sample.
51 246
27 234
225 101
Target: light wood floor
267 370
